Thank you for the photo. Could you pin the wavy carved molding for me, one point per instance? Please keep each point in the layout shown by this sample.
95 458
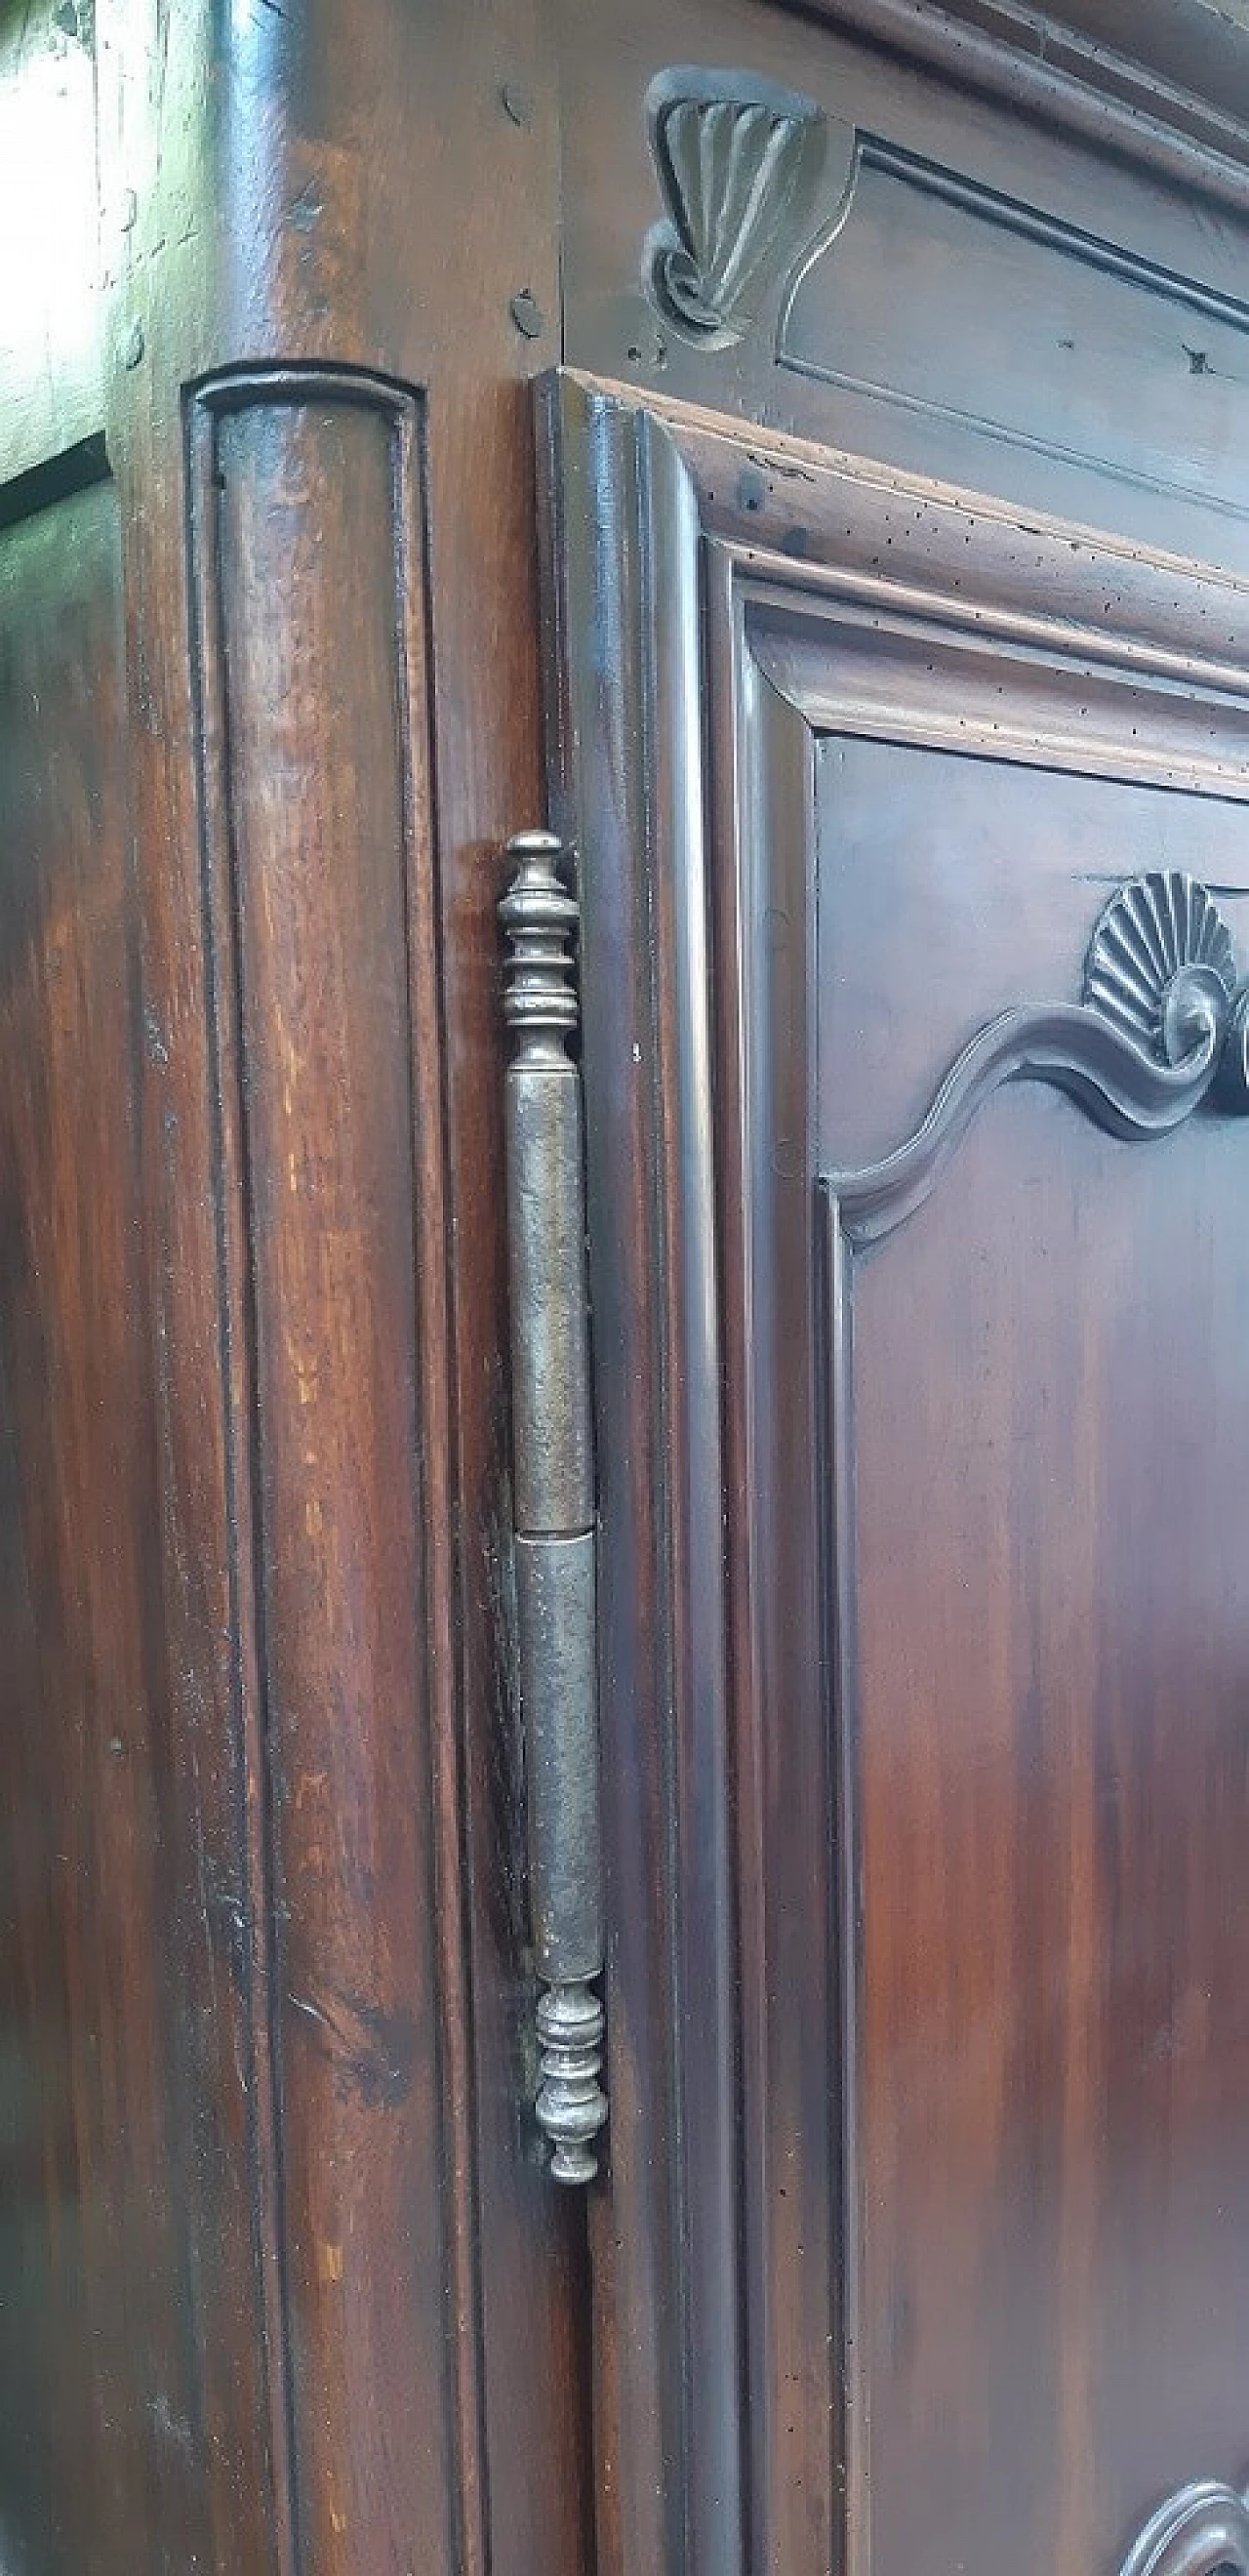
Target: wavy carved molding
1163 1023
1201 2529
739 164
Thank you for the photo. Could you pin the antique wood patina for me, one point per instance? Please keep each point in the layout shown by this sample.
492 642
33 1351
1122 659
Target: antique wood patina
788 466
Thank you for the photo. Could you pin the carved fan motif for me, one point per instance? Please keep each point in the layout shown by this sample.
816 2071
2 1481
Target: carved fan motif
1161 965
738 176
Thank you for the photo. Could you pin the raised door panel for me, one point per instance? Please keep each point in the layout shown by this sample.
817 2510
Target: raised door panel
922 1388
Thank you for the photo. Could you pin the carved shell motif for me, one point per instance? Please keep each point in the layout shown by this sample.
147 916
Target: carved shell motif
1161 966
738 173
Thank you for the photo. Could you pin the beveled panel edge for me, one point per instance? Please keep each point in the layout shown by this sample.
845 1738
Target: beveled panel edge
206 401
1123 632
800 2222
836 1543
986 685
987 616
1134 664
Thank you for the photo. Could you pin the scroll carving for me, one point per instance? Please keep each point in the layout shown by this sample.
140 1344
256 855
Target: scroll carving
1164 1022
738 164
1202 2529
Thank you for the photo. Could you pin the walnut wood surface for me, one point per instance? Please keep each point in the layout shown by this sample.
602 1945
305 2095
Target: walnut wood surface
923 1824
307 488
284 2284
127 2246
985 291
314 2364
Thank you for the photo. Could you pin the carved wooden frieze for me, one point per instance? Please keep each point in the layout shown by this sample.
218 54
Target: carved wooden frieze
1164 1021
739 165
781 217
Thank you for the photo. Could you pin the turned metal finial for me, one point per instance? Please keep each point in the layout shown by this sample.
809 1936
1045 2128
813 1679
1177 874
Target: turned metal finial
539 917
571 2106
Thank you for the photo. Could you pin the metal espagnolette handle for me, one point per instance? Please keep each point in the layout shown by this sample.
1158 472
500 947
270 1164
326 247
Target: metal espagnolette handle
554 1495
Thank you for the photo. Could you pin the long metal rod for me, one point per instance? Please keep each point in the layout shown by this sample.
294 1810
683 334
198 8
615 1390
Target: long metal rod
554 1496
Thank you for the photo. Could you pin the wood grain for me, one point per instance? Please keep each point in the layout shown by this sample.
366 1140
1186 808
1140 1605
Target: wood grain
291 2287
328 1043
986 2065
1063 322
127 2259
287 171
269 188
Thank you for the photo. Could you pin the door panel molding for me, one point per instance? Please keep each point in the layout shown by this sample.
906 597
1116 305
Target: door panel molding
1078 288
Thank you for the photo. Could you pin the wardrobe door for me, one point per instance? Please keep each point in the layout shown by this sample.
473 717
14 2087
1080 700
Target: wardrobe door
913 858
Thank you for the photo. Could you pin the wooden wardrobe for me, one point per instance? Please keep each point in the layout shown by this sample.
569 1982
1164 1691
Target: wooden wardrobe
676 1456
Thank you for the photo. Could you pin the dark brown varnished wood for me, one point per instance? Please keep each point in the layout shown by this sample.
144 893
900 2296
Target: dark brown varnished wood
665 2240
306 487
976 1597
268 190
1170 80
127 2263
330 142
903 620
974 287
